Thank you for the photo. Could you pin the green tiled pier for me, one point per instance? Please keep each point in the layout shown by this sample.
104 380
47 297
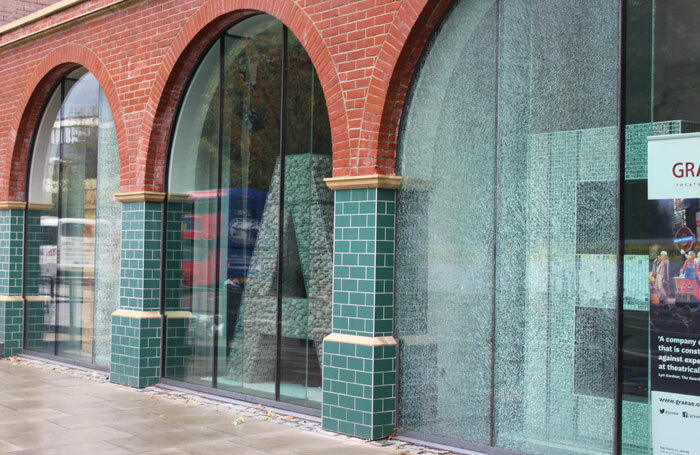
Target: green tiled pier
359 360
136 325
11 256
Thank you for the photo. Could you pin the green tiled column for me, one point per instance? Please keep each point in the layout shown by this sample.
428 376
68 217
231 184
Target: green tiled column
11 316
136 325
135 348
11 256
359 361
37 296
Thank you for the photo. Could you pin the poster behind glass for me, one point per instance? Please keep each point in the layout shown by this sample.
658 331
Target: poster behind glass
674 297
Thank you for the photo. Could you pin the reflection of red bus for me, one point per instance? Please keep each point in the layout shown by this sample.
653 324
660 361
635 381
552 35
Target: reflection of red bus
243 209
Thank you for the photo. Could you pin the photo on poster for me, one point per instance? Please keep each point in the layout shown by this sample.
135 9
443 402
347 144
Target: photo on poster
674 324
674 293
674 296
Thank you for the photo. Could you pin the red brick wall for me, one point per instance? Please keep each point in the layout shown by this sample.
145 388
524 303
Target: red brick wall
142 51
11 10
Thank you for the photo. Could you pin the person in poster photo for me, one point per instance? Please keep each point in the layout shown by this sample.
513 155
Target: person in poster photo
661 275
690 270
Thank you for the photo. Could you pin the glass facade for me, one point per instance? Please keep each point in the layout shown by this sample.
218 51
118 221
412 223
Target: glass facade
249 220
73 225
662 97
507 229
524 246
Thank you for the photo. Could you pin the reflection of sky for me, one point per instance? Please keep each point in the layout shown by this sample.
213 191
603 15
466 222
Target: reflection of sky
82 99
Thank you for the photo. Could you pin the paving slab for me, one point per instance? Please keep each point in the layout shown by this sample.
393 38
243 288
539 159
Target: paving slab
51 409
87 448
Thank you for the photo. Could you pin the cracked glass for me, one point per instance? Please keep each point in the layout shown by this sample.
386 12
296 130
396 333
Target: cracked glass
507 229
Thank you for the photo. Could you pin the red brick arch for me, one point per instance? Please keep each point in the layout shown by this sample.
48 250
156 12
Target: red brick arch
209 20
410 31
29 103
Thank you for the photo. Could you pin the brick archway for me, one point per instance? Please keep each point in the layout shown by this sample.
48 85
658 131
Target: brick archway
148 169
29 104
410 31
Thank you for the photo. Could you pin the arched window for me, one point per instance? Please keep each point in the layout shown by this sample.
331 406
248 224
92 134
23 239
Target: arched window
73 224
506 275
249 219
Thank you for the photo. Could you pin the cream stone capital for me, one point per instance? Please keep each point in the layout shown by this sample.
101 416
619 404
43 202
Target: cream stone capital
359 340
174 197
39 298
135 314
390 182
12 205
45 206
179 314
140 196
11 298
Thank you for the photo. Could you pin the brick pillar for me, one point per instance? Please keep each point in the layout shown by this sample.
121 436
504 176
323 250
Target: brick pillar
359 361
11 257
136 325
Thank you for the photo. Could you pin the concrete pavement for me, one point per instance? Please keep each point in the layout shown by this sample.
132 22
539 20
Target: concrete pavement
51 409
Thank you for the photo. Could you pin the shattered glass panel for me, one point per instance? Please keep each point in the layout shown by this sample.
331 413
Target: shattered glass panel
594 356
108 233
551 271
558 136
596 225
444 271
636 282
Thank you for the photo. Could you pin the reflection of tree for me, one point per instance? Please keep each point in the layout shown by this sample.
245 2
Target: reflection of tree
251 113
306 106
80 147
208 152
252 90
